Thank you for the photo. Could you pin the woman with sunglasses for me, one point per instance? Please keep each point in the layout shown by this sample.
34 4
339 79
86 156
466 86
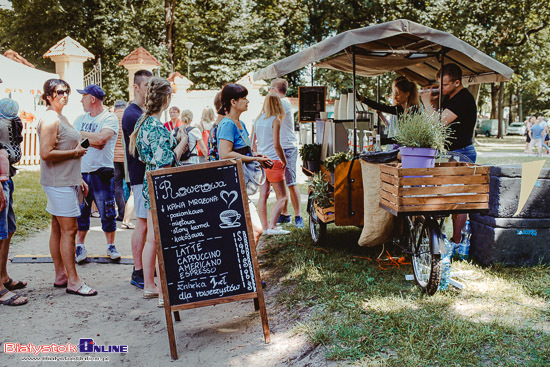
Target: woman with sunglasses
60 177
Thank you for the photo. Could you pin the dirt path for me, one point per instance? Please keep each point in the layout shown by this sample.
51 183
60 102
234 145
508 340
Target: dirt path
221 335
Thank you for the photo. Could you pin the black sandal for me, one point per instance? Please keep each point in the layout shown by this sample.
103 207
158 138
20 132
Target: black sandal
11 301
13 287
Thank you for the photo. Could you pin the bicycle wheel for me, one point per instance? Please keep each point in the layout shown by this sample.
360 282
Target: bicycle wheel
426 266
317 228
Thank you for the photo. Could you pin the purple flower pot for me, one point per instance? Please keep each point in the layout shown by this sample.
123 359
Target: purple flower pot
417 157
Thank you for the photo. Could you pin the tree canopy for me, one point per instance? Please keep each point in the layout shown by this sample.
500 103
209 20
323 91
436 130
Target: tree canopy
232 38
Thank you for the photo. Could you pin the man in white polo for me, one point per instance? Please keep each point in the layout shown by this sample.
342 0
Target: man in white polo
289 142
100 127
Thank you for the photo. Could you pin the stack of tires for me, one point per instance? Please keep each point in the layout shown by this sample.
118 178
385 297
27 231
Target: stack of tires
499 236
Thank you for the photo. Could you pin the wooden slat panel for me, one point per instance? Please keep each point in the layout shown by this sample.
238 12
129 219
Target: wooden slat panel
388 196
443 171
434 190
484 198
389 204
389 179
442 180
442 207
389 188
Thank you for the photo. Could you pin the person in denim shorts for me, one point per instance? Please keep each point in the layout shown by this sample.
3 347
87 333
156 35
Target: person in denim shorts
289 142
9 139
100 127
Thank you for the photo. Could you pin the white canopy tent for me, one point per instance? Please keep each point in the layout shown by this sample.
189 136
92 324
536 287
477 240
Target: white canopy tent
22 83
406 47
21 78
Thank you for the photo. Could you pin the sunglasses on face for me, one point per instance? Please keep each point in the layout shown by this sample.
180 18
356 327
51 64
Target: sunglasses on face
62 92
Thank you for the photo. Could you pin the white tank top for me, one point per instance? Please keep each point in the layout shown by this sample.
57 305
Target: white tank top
264 135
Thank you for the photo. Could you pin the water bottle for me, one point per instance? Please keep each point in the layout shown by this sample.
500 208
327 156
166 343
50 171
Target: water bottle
378 146
464 248
446 265
350 140
365 142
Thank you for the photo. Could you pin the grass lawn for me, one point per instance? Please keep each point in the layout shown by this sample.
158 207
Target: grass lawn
358 312
29 204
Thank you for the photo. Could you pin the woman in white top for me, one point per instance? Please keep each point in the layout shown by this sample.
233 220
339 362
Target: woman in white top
60 153
267 136
195 137
205 125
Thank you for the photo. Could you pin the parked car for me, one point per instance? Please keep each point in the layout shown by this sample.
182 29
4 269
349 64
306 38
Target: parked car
487 127
516 128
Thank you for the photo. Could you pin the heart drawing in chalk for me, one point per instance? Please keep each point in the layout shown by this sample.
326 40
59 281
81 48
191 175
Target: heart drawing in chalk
228 197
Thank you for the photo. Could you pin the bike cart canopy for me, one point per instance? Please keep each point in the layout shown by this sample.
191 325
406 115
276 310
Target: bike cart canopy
403 46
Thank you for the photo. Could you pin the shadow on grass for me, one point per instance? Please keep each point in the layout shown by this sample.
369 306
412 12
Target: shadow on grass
359 312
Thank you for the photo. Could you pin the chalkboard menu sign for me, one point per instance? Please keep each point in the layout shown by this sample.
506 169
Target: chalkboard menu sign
204 238
311 101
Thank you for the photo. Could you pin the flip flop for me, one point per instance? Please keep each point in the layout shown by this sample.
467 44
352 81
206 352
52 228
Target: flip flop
127 225
84 291
64 285
12 287
11 301
150 294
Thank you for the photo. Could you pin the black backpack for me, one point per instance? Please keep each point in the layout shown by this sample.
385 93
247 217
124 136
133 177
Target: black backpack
189 152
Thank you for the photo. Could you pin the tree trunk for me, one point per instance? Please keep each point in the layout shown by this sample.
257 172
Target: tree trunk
501 131
494 100
169 16
520 103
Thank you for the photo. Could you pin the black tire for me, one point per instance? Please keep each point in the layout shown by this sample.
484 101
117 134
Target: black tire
317 228
426 265
487 134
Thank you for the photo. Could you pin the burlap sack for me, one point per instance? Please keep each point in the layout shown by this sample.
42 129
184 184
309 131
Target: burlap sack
378 224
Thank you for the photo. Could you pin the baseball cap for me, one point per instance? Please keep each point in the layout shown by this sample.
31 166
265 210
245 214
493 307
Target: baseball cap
119 103
94 90
8 108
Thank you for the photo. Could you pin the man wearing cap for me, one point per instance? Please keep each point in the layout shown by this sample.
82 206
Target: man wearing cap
100 127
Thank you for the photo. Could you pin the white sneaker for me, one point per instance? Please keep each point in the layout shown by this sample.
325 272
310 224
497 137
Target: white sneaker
112 252
80 254
276 231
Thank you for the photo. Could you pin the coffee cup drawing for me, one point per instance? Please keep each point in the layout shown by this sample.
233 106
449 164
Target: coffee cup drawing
229 219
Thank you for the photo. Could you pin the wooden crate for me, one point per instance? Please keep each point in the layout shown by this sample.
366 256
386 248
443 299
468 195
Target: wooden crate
325 214
453 186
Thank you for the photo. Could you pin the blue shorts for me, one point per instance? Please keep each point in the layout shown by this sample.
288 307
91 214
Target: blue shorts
7 216
101 189
469 152
291 155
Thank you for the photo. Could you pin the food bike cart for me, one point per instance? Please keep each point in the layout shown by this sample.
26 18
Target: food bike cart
417 197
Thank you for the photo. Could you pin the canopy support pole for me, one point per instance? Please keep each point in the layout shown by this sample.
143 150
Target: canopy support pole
354 103
441 82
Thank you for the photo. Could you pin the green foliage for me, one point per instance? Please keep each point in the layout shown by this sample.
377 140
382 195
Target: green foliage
232 38
422 130
310 152
321 191
334 160
29 204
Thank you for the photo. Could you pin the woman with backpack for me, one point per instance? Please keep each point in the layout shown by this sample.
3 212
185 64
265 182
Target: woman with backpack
195 138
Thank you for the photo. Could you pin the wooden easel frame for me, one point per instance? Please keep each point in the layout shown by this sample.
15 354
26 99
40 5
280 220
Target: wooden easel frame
258 296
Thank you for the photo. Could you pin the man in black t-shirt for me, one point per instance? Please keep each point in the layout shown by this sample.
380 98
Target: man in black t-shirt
136 170
459 110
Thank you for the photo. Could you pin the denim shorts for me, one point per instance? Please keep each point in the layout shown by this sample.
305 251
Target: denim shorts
7 216
139 201
291 155
468 151
101 190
